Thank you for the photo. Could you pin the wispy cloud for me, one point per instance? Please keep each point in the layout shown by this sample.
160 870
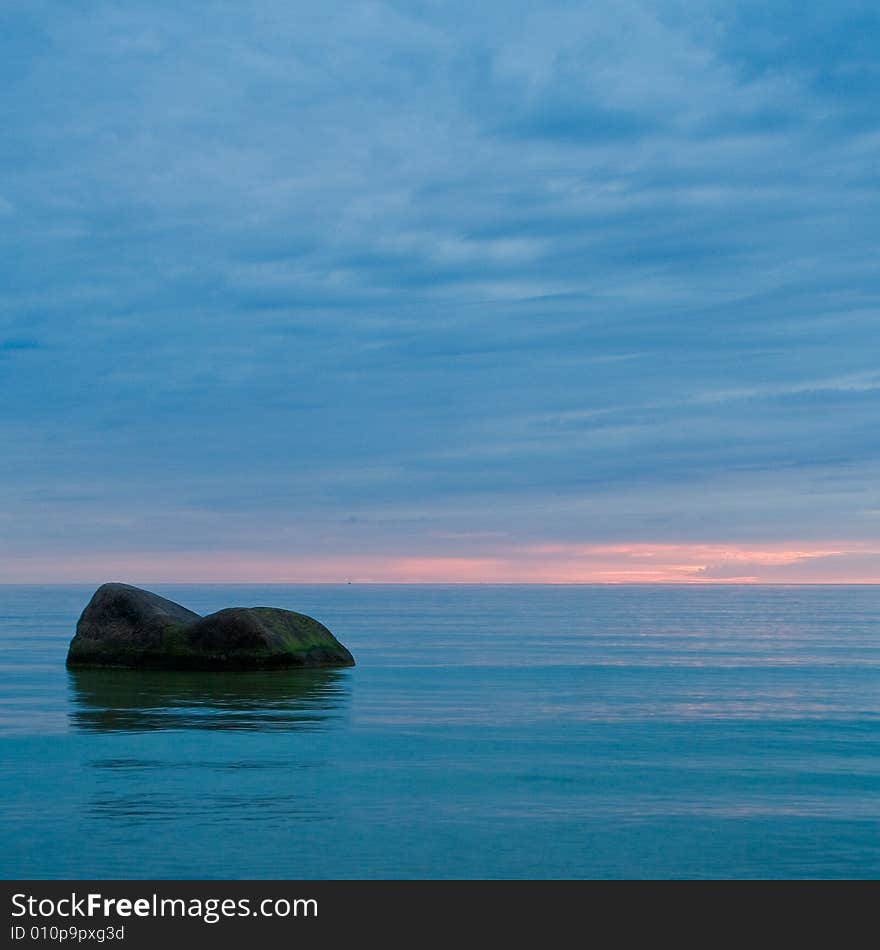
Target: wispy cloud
407 278
19 345
536 564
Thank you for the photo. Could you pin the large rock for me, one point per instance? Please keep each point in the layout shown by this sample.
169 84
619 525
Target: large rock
125 626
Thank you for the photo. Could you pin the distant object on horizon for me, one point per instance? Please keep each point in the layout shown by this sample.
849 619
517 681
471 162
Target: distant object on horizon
124 626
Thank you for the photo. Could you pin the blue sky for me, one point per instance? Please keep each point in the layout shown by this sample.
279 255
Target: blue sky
427 291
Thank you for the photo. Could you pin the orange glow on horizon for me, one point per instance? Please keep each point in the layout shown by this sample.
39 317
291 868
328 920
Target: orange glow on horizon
543 563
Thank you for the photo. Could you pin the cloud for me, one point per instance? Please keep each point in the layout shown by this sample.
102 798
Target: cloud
552 563
591 273
842 567
19 345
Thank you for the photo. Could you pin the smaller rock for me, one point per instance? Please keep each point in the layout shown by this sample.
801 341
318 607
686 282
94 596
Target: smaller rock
269 635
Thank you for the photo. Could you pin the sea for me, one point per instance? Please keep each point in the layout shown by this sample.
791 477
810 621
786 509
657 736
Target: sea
487 732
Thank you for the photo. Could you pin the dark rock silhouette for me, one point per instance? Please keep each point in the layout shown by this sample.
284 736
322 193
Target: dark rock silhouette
124 626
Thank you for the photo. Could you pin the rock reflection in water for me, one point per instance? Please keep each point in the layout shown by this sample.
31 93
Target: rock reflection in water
140 701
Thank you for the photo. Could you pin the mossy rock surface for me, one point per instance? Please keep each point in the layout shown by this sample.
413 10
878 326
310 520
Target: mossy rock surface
124 626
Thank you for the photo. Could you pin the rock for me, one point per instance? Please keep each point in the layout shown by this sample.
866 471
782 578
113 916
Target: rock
125 626
121 622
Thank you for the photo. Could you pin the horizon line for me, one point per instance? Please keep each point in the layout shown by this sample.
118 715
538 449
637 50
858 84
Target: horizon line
354 583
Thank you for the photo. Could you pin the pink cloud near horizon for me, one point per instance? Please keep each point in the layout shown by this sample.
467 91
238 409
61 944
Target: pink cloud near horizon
545 563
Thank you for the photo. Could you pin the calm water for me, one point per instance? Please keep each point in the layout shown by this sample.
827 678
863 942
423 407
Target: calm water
487 732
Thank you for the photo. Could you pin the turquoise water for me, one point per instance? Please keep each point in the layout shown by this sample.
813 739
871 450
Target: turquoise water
487 732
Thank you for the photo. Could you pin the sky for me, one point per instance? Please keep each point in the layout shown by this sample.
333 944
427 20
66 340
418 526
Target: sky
439 291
